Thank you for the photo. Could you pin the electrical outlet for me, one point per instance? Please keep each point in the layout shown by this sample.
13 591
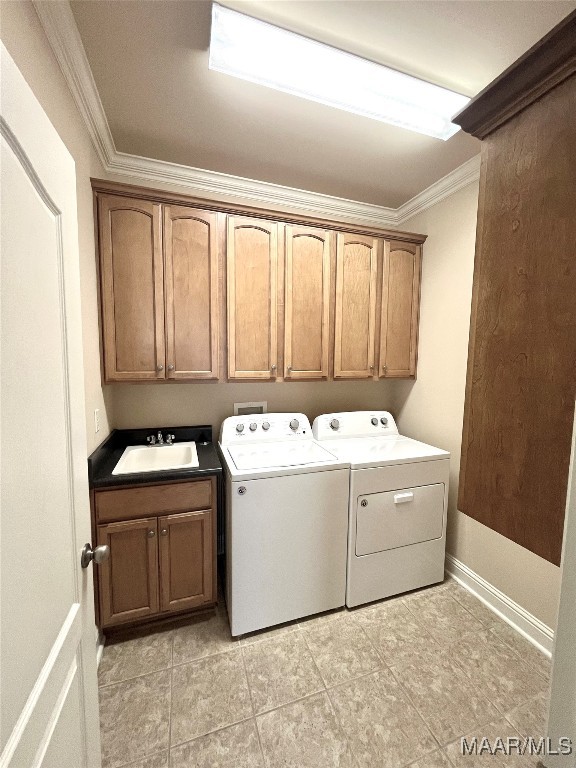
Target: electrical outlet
96 420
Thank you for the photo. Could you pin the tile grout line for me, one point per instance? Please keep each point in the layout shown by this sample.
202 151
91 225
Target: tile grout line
252 705
416 709
170 707
316 667
135 677
341 728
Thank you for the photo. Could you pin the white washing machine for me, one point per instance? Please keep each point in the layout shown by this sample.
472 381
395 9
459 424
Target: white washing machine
286 521
397 508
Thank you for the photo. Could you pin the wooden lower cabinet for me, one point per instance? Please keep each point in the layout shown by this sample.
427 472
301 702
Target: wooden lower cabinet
129 578
159 564
185 560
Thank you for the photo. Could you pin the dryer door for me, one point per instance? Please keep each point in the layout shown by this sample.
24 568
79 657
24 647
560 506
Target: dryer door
398 518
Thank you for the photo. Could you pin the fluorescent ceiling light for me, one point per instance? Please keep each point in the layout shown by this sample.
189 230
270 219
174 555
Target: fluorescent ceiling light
262 53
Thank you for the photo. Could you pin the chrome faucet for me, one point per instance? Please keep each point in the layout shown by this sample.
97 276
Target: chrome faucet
159 439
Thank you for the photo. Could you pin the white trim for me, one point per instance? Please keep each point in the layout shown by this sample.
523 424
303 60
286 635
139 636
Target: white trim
460 177
51 680
534 630
217 185
62 33
100 642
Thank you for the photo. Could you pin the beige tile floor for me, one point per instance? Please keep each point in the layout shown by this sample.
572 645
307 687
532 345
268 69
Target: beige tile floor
392 684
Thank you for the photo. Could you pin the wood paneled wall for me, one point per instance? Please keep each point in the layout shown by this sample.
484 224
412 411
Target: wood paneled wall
521 382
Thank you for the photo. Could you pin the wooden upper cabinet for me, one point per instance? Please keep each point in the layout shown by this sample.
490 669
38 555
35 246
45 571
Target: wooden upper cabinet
307 302
129 578
252 266
186 560
132 293
356 268
191 289
400 304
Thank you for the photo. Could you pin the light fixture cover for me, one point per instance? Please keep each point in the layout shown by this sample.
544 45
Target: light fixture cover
262 53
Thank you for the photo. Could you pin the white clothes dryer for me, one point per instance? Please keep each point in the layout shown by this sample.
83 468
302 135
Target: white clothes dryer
286 521
397 504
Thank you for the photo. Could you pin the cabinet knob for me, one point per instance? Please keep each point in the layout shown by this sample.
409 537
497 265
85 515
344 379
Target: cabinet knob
371 367
170 367
289 369
272 367
151 534
164 532
383 369
159 367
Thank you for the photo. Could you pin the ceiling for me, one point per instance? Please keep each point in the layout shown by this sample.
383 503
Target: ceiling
149 59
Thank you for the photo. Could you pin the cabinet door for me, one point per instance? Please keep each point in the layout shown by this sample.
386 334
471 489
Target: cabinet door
129 578
186 560
400 303
132 291
356 264
252 264
191 275
307 303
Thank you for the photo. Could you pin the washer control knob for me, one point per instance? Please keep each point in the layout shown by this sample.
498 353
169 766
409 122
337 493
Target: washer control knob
294 424
384 421
239 428
265 426
334 424
374 421
253 427
363 503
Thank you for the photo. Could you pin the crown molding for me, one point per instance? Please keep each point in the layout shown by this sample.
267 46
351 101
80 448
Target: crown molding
63 35
210 184
460 177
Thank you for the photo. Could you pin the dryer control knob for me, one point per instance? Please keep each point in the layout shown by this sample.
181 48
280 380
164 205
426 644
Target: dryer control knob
265 426
334 424
239 427
374 421
253 427
294 424
384 421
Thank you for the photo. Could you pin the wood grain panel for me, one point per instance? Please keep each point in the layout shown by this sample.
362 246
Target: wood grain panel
132 292
191 289
144 501
186 560
252 260
307 303
521 381
400 304
128 580
356 264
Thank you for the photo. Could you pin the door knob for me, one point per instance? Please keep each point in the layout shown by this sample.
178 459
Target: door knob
98 554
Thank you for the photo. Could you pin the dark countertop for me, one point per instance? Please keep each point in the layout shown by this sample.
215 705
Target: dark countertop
106 456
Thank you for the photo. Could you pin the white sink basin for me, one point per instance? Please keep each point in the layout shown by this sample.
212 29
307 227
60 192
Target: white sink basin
156 458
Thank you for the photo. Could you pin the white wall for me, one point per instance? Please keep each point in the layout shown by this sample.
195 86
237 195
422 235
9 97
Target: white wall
23 36
432 408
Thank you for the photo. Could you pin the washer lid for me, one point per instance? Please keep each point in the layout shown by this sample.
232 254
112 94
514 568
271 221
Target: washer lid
264 456
364 452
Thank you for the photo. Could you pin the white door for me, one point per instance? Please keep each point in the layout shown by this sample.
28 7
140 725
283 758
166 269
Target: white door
562 716
49 698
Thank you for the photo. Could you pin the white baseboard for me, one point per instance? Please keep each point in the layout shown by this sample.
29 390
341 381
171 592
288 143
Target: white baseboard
534 630
99 648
